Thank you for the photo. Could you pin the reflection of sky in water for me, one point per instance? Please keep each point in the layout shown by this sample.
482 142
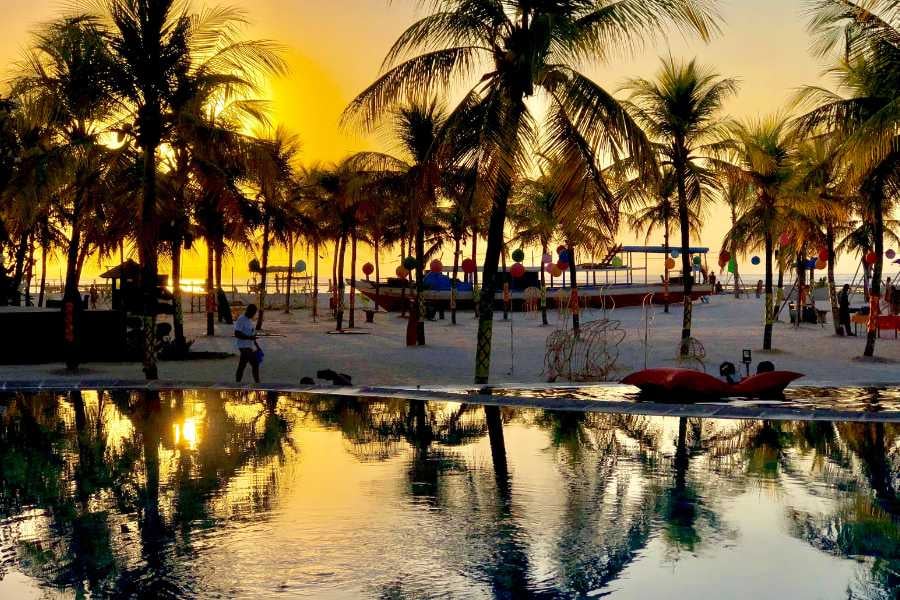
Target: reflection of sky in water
254 495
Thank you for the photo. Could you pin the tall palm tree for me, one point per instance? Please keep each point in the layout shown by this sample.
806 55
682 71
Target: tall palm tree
505 53
760 155
274 177
864 37
65 79
736 195
680 110
157 44
654 209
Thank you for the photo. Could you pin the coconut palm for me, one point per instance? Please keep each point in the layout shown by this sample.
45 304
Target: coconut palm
760 156
156 45
864 37
505 53
680 110
654 208
736 195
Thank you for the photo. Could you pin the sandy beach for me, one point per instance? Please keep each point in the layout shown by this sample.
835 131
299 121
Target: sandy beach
295 347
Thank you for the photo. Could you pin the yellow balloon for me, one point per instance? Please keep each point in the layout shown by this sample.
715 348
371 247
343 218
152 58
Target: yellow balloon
555 270
670 263
402 272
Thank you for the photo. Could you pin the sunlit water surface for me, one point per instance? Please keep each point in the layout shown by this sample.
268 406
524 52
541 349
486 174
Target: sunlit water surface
208 494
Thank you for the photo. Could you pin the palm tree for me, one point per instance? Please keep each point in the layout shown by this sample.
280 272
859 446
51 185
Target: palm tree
156 45
274 177
656 210
65 83
760 156
680 112
505 53
865 36
736 195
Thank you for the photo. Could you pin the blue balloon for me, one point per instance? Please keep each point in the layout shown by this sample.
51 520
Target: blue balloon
676 253
811 263
755 260
564 256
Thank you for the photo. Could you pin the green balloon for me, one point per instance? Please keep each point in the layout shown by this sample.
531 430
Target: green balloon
732 266
617 262
518 255
698 261
410 263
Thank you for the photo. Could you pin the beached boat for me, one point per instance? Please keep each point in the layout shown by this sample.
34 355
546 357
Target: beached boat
685 384
608 284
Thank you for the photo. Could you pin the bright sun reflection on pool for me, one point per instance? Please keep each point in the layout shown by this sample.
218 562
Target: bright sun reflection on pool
186 433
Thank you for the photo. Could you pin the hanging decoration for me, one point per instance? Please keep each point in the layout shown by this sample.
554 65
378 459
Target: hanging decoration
300 267
785 239
890 254
676 253
468 266
368 269
871 258
724 258
821 264
670 263
755 260
555 270
617 261
698 261
548 267
560 249
436 266
254 266
410 263
823 254
517 270
732 266
402 272
518 255
547 258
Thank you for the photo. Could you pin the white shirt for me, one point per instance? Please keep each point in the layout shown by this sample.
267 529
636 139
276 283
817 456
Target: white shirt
244 325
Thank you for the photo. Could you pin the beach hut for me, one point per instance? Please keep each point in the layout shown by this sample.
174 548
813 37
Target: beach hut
126 289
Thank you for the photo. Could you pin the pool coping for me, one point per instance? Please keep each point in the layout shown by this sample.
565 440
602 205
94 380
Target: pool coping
709 410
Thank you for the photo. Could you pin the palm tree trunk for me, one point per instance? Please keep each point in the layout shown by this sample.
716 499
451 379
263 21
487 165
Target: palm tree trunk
210 289
420 283
315 290
687 274
44 250
875 291
220 256
351 321
506 283
264 275
339 282
475 256
334 275
21 255
457 239
71 297
290 274
178 317
801 284
666 267
544 250
489 280
377 271
148 251
769 316
29 269
573 305
832 287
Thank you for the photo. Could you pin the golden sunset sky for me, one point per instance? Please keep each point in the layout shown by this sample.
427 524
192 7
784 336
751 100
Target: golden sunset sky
335 48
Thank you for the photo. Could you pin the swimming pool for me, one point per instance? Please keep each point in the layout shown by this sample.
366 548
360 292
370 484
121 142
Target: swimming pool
198 494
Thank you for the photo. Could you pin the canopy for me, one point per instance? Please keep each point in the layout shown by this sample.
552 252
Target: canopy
129 269
662 250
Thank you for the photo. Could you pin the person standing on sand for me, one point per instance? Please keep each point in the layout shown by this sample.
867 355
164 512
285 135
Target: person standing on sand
245 332
844 310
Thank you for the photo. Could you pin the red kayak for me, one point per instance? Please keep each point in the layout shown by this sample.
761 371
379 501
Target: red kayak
676 384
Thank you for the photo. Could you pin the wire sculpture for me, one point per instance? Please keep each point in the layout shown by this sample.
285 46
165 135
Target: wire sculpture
532 296
696 353
591 355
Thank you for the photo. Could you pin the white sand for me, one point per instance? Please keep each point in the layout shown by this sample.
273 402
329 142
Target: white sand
299 347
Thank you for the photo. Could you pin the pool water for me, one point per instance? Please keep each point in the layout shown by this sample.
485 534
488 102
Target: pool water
206 494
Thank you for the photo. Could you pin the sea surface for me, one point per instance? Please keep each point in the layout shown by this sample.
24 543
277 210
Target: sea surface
207 494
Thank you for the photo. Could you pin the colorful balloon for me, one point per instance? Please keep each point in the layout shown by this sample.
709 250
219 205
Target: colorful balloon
724 257
821 264
871 258
436 266
755 260
617 261
410 263
698 261
670 263
785 239
555 270
517 270
547 258
676 253
823 254
564 257
562 266
732 265
402 272
300 267
254 266
890 254
548 267
518 255
468 266
368 269
560 249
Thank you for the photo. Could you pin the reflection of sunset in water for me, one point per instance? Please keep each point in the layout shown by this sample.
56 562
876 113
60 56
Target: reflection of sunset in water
208 494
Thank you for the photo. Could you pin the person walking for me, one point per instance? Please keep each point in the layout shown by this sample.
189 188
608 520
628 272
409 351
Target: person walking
245 332
844 310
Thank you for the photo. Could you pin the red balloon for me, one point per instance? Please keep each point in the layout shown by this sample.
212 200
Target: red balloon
437 266
468 266
560 249
402 272
368 269
823 254
517 270
724 257
549 267
871 258
563 266
785 239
